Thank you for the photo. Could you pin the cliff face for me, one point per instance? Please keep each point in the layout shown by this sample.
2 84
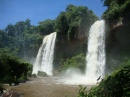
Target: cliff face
117 43
66 49
119 34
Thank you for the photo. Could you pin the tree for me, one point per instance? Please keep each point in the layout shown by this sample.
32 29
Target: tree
10 30
62 25
11 67
28 25
46 27
117 10
77 61
4 41
74 22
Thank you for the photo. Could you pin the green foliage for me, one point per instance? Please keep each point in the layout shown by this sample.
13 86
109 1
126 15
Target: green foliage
125 62
62 25
74 22
29 42
4 40
34 75
29 73
46 27
115 85
10 30
42 74
116 9
82 91
22 38
22 79
75 61
11 67
118 58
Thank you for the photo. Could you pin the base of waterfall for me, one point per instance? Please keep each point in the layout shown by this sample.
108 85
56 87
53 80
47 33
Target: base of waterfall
79 80
47 87
74 76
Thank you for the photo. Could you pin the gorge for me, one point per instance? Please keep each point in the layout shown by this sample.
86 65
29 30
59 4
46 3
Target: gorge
95 56
82 50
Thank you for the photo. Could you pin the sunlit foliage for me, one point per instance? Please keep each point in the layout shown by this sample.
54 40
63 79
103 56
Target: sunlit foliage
117 9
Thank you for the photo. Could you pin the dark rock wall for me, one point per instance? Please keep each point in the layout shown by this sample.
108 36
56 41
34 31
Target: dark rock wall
66 49
117 44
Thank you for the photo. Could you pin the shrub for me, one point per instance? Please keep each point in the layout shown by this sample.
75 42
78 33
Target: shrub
42 74
34 75
22 79
29 73
115 85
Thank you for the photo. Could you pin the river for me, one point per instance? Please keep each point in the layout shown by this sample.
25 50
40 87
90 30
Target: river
46 87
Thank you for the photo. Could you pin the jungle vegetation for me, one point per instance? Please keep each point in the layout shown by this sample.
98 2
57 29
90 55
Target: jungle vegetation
20 42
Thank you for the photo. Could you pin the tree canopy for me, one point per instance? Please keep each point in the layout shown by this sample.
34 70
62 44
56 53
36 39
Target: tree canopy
75 21
117 9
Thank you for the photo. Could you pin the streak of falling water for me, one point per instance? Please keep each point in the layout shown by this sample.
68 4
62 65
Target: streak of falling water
96 52
44 59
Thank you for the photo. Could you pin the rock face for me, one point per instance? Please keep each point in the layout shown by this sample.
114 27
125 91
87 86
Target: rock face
117 42
120 35
118 31
66 49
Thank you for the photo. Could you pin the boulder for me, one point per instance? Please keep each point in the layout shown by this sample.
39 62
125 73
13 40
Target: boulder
11 94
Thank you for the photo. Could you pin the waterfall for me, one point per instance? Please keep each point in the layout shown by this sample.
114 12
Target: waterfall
96 51
44 59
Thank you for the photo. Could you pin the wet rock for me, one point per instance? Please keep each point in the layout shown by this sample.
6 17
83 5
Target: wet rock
11 94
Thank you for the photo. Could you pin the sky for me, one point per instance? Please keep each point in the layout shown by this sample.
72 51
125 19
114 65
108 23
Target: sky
13 11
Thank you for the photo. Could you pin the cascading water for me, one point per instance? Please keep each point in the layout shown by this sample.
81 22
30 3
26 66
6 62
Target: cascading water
44 59
95 58
96 52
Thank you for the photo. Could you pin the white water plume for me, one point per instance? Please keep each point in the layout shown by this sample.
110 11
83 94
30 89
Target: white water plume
96 52
73 76
44 59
